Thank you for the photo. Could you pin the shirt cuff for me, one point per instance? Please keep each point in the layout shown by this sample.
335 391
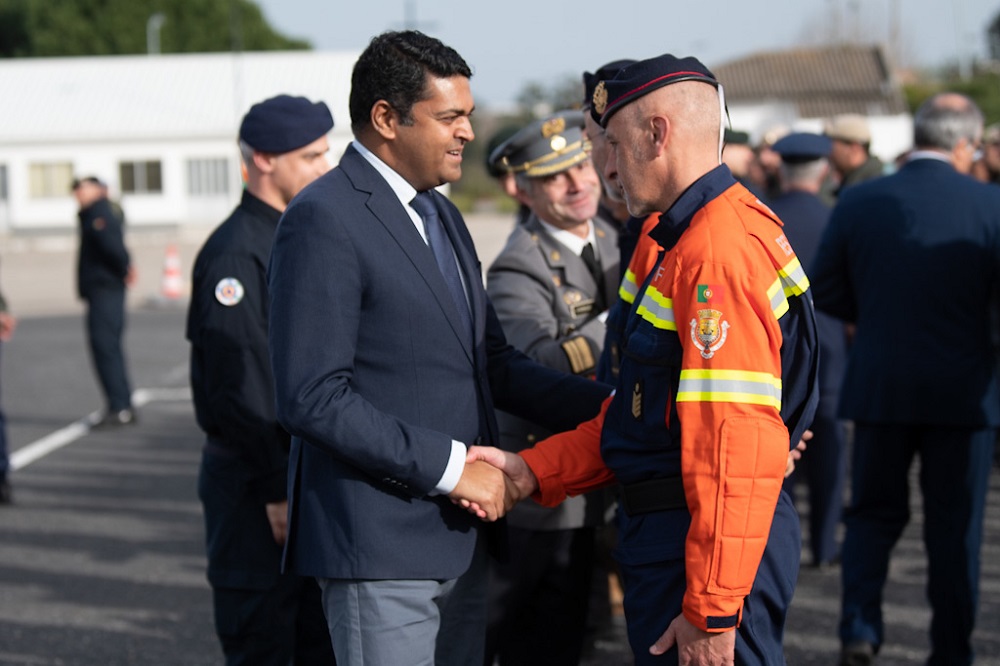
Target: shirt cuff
453 472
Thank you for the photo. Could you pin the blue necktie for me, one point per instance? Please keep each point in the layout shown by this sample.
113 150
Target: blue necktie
437 238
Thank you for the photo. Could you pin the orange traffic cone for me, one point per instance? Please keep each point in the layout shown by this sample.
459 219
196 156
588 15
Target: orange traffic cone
172 284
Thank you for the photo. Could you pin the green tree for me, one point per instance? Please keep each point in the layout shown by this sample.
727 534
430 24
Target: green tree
983 87
36 28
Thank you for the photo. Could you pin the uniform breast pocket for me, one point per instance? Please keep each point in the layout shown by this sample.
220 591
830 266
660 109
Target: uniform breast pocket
648 378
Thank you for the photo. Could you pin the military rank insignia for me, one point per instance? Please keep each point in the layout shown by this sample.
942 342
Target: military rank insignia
637 401
600 99
708 332
229 291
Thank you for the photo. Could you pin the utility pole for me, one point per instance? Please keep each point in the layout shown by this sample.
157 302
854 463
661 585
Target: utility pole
153 26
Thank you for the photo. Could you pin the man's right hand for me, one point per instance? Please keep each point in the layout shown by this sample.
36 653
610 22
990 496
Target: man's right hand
519 478
483 490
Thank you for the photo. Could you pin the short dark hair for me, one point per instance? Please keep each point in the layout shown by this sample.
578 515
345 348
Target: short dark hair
394 68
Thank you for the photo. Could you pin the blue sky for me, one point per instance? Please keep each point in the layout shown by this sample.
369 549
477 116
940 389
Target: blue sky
512 42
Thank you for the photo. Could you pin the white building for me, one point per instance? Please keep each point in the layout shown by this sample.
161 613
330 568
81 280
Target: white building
160 130
800 88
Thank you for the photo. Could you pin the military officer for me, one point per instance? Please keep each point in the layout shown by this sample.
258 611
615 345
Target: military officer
551 287
261 615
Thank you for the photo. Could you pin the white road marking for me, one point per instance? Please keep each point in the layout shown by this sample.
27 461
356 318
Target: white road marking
40 448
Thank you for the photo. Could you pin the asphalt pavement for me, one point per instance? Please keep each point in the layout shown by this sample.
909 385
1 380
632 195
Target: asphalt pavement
101 559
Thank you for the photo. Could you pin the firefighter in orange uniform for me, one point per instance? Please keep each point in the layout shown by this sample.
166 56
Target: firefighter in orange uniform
717 379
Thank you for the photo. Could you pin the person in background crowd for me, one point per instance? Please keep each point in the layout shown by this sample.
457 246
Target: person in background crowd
7 325
739 156
921 379
262 616
551 286
804 167
987 167
851 152
769 161
104 271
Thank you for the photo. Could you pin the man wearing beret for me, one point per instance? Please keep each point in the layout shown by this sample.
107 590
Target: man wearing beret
551 286
804 167
262 616
718 377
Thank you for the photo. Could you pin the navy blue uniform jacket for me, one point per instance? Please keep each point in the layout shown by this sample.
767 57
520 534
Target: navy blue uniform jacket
103 260
373 381
913 259
805 217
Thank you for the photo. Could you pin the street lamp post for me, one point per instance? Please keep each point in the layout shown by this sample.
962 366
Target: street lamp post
153 26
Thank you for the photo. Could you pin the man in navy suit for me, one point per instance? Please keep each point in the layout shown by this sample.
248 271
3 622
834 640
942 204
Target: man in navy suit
913 260
804 168
388 362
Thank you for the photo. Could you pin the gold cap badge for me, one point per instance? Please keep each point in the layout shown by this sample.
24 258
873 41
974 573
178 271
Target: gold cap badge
600 99
554 126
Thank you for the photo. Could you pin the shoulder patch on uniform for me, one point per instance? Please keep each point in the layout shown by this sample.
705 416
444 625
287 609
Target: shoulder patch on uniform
229 291
709 332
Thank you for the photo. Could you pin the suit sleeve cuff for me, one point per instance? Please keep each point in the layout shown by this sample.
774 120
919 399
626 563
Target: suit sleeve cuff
453 472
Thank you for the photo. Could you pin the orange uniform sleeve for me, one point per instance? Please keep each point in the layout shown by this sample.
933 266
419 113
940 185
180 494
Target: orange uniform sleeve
734 444
570 463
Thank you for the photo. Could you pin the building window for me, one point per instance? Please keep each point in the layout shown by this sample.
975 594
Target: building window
3 182
48 179
141 177
208 176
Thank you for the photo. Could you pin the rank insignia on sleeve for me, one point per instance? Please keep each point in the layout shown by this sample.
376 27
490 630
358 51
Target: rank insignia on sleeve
708 332
229 291
637 400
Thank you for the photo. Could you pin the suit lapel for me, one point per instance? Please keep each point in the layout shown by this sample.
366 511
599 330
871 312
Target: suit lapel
386 207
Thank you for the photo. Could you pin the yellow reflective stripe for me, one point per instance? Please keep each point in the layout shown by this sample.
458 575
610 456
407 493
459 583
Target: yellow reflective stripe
629 287
793 278
779 302
753 388
657 309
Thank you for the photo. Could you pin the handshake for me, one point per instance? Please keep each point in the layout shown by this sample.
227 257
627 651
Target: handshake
492 482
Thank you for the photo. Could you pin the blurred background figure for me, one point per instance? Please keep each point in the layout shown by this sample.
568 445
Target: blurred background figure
803 168
769 161
987 166
921 379
262 616
495 168
739 156
7 325
850 154
612 208
104 271
551 286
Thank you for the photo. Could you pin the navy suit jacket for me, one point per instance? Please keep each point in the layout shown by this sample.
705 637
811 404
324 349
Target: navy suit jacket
913 259
374 381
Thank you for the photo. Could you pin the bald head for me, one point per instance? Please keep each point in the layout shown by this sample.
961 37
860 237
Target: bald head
663 142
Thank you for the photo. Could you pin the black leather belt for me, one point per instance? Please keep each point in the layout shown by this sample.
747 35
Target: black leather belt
653 495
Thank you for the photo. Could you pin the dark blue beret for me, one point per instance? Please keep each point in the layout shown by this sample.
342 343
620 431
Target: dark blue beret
547 146
801 147
283 123
590 81
643 77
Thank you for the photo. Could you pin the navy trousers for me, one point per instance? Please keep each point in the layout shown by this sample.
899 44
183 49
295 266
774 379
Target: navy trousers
654 591
954 476
105 326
